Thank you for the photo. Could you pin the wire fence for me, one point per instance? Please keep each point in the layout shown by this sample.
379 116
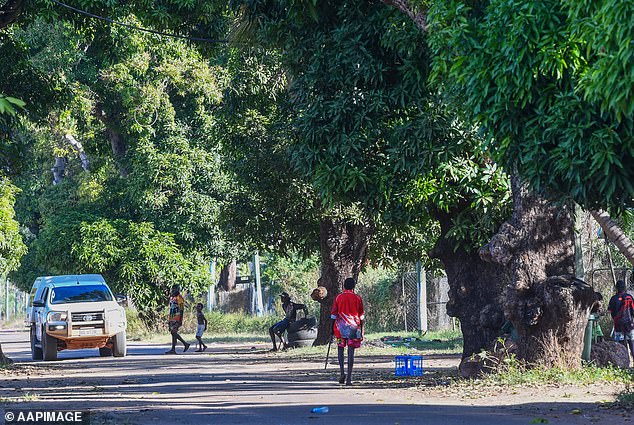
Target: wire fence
394 310
437 289
13 302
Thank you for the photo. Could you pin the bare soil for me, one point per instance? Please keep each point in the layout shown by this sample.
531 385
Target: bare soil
245 384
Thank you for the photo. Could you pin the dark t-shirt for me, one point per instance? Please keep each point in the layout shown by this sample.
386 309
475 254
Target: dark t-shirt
616 301
200 317
290 310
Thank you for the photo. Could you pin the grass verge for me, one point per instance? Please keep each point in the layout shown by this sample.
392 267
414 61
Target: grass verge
588 374
218 323
224 338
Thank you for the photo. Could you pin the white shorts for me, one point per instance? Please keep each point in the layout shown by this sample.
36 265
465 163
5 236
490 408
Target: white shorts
199 330
624 336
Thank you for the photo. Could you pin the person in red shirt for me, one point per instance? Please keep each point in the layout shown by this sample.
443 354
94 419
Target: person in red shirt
347 318
621 307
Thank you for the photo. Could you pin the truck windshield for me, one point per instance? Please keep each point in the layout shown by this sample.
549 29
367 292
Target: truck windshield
80 294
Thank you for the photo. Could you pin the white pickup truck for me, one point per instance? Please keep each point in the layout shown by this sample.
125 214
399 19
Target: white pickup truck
74 312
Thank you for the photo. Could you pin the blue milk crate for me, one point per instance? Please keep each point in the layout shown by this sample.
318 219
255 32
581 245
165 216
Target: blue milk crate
408 365
400 363
415 367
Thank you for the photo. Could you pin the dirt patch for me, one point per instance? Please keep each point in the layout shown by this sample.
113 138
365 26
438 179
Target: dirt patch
239 382
23 369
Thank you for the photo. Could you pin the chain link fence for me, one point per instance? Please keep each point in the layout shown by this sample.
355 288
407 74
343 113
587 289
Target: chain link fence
13 302
392 303
436 297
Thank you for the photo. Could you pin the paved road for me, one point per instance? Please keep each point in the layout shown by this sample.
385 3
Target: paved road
235 384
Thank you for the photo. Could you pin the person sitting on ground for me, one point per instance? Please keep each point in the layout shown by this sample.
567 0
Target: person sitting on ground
621 307
290 315
202 327
175 320
347 317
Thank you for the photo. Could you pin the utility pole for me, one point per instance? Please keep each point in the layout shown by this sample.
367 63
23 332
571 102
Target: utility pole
211 292
15 301
579 271
421 283
6 299
259 307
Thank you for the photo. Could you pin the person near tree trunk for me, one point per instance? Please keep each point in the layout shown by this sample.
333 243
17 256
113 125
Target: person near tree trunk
621 307
347 318
175 320
290 315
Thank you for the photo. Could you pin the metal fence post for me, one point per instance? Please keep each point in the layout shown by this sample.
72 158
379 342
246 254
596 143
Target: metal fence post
421 283
6 298
259 308
211 293
15 301
405 301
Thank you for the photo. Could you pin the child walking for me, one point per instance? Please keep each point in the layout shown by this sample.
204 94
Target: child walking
202 327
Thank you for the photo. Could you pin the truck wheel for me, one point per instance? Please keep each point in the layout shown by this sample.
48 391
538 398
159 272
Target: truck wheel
302 324
301 343
105 352
36 352
119 347
49 346
302 334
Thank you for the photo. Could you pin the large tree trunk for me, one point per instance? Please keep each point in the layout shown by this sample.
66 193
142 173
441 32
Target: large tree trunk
117 143
475 290
228 276
58 169
544 302
344 251
4 359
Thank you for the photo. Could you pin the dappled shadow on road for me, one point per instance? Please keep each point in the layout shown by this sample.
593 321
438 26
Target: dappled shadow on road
189 381
239 364
232 384
344 410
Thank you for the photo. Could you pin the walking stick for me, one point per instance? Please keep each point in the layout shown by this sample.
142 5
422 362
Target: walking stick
328 352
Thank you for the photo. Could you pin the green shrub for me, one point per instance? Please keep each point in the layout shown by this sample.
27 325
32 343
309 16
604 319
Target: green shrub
217 322
137 329
515 372
379 289
293 274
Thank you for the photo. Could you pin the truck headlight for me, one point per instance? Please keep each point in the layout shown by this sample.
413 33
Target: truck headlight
116 315
56 316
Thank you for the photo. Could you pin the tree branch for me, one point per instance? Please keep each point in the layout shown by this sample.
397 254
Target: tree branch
615 234
80 150
418 16
10 11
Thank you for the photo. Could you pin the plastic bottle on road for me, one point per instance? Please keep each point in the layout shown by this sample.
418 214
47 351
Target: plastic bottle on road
323 409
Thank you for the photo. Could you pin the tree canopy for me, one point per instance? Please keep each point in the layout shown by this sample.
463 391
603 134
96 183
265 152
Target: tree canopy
127 125
551 84
365 127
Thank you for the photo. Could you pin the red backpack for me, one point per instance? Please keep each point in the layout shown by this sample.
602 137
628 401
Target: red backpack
623 319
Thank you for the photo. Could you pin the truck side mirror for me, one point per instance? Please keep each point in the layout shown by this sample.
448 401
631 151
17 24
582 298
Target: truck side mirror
121 298
38 304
